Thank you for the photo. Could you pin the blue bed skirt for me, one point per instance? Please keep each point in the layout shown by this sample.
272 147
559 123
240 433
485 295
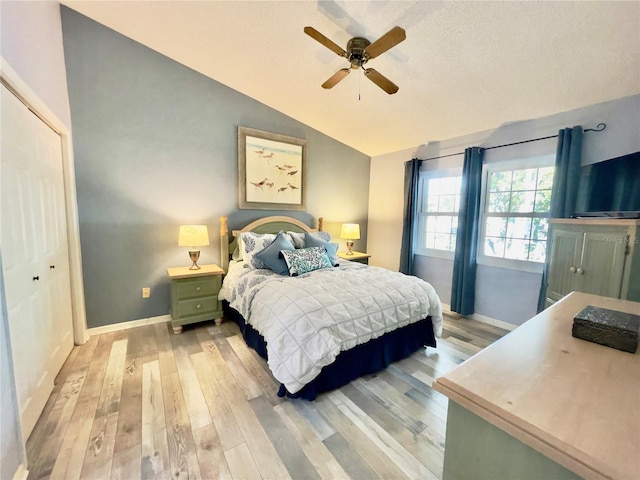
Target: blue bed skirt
371 357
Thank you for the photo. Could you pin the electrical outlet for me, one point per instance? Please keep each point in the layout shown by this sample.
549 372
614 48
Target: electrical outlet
146 292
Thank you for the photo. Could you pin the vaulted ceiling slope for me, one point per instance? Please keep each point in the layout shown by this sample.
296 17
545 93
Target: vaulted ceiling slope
466 66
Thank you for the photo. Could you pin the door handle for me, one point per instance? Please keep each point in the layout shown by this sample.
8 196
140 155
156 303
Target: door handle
36 278
52 267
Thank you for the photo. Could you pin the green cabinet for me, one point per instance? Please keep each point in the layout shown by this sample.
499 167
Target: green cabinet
594 256
194 295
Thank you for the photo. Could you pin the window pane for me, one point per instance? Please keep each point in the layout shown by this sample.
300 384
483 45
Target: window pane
494 247
442 198
500 181
517 249
430 239
443 241
545 178
522 201
432 204
519 227
538 251
539 228
525 193
525 179
434 187
543 201
496 227
498 202
430 224
447 203
443 224
448 186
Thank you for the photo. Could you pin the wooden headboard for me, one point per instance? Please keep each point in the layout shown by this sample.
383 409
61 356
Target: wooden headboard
263 225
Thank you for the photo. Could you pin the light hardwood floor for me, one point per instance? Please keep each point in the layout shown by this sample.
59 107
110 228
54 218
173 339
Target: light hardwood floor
144 403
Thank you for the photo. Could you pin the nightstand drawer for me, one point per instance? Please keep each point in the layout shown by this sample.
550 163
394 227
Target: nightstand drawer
198 287
197 306
194 295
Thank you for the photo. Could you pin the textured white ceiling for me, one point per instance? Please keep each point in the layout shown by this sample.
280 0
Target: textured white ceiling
464 67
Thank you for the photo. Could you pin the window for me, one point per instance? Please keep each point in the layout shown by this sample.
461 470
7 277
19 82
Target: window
438 222
515 217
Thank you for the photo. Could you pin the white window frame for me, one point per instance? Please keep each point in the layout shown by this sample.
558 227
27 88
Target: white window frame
420 240
508 263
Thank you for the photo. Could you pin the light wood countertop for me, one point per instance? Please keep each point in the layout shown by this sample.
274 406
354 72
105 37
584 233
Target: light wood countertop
574 401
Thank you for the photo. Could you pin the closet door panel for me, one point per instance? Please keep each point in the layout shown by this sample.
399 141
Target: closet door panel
34 240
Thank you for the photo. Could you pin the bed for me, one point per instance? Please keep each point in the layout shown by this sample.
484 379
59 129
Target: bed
319 325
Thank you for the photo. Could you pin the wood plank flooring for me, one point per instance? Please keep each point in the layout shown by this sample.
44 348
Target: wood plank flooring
146 404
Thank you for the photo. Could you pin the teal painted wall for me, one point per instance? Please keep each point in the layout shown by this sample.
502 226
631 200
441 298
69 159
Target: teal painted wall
155 146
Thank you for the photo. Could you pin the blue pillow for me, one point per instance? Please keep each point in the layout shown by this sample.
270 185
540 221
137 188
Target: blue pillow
271 255
312 240
304 260
298 237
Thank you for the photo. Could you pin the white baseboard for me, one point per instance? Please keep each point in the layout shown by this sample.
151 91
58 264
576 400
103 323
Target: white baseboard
21 473
132 324
480 318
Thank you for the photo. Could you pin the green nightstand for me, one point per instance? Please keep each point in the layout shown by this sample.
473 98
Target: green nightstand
194 295
356 257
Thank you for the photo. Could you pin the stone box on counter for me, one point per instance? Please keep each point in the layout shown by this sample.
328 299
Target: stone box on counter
607 327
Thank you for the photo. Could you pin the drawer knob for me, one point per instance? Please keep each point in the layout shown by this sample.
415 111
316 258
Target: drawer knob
198 288
572 269
580 271
199 306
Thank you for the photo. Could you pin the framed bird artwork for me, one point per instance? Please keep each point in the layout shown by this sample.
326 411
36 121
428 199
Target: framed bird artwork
271 170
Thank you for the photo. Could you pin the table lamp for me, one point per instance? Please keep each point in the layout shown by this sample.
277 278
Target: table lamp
193 236
350 232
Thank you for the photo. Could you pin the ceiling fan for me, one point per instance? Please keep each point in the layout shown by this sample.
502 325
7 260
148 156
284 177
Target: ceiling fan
359 51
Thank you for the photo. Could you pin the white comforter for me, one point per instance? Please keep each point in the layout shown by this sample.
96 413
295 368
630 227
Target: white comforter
308 320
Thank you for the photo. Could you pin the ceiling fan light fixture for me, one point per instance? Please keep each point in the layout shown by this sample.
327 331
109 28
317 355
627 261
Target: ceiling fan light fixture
359 51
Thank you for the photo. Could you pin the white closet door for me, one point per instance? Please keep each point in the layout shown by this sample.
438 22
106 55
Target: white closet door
35 257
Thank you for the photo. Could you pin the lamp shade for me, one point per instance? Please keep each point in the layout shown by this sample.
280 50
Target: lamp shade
193 236
350 231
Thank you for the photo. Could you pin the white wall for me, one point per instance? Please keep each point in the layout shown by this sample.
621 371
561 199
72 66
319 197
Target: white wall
31 43
506 295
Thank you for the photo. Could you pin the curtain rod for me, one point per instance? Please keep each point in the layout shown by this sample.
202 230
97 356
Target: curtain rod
600 127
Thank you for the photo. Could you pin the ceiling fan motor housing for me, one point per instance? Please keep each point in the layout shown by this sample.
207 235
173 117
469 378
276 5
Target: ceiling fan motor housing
356 51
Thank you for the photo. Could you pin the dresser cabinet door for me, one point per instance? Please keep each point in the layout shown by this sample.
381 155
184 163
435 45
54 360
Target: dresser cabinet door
564 262
603 256
589 259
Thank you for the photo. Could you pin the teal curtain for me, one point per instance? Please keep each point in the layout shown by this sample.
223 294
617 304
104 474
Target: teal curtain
564 193
463 291
411 202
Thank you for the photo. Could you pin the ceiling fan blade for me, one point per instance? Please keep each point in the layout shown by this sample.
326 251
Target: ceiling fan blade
316 35
336 77
380 80
385 42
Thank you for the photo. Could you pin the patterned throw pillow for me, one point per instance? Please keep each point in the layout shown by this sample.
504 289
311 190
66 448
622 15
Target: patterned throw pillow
253 243
298 238
306 260
311 240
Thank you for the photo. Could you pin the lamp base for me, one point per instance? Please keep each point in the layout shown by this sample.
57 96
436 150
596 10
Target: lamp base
194 255
349 247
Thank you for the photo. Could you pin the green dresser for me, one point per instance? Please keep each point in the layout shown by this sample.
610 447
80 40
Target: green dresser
194 295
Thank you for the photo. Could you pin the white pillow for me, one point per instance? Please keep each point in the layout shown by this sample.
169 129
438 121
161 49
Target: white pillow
252 243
